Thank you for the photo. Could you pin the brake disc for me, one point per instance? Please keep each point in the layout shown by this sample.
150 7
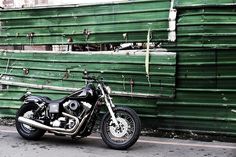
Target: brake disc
121 130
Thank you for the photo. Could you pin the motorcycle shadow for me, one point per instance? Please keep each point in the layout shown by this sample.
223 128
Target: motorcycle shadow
91 142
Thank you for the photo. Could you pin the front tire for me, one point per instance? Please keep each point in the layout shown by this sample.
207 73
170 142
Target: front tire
24 130
127 134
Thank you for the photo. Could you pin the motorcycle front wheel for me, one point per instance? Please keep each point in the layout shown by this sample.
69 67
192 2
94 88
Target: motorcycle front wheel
126 134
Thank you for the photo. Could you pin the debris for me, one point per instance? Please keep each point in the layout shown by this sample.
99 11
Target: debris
7 121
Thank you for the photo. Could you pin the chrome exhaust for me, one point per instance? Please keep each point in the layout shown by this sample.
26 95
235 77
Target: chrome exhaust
33 123
71 131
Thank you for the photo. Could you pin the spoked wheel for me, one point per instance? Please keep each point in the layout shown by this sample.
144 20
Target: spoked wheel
24 130
124 135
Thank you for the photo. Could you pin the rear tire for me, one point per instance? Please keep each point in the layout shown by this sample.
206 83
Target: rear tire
24 130
128 133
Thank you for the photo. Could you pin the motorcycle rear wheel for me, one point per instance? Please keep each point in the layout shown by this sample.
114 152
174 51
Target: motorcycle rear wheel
26 131
127 134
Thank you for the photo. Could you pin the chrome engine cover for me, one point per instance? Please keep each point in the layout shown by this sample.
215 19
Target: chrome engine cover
71 105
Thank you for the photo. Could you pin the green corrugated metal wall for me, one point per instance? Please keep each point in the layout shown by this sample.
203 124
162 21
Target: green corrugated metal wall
66 70
207 27
205 69
106 23
203 3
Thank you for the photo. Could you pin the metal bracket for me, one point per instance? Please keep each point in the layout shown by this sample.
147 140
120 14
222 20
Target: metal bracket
3 87
172 23
125 36
31 36
86 33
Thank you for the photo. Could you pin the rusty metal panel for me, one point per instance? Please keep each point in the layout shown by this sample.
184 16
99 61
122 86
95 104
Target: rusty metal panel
82 24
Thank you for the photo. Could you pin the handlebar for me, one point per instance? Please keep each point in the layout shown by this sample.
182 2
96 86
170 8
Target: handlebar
93 79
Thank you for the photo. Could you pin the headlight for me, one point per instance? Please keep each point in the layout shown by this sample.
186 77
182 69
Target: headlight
108 89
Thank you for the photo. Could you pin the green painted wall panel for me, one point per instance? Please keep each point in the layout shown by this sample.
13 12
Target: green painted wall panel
208 27
206 64
193 110
202 3
66 70
202 79
106 23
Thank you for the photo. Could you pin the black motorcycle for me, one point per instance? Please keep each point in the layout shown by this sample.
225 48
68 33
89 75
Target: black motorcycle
76 114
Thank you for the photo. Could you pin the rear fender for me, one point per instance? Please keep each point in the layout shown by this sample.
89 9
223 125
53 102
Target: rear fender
33 99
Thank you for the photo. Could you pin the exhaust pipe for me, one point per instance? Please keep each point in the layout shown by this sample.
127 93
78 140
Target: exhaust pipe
34 124
71 131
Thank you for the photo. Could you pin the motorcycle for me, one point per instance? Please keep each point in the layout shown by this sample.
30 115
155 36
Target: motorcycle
76 114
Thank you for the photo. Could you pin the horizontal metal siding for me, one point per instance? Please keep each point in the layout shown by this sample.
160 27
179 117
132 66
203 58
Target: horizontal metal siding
202 3
206 63
205 76
66 70
205 92
207 27
105 23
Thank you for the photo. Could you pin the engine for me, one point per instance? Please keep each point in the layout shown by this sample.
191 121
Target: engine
72 105
74 108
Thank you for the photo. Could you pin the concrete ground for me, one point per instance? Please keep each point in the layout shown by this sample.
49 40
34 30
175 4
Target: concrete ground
12 145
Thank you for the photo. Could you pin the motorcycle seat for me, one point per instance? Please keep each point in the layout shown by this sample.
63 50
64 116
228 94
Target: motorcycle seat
49 101
45 99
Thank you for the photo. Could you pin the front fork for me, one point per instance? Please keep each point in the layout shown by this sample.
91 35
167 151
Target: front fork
110 105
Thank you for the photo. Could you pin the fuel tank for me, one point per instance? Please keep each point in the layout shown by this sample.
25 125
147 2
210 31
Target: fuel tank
86 93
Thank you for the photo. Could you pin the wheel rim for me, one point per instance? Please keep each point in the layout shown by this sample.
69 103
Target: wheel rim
26 128
124 132
119 131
